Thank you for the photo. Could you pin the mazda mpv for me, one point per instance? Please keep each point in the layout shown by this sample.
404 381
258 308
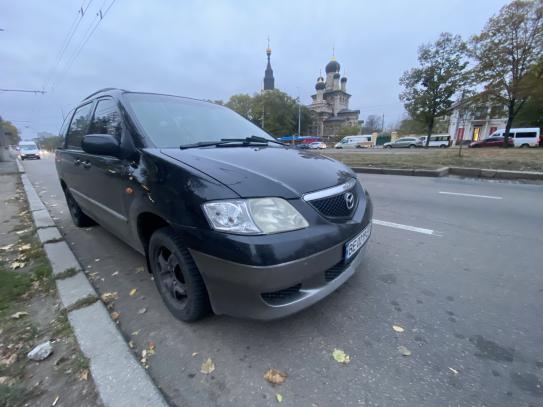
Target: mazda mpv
229 219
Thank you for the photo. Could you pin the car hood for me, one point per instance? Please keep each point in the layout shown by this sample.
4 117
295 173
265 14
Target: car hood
265 171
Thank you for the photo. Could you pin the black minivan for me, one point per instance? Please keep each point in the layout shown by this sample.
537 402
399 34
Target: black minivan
229 219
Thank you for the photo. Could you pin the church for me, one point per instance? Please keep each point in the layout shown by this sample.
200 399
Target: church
330 104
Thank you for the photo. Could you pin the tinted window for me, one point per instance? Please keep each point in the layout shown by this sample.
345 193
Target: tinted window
78 127
107 119
171 121
526 134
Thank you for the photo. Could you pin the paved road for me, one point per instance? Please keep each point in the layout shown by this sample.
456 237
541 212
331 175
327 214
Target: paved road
467 286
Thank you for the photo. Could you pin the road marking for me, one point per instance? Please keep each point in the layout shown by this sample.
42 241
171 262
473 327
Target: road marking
406 227
471 195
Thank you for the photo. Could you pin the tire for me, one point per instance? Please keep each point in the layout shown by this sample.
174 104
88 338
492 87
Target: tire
22 158
387 147
412 146
525 146
442 146
176 276
78 217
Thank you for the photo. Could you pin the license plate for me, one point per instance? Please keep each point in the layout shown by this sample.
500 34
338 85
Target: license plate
353 245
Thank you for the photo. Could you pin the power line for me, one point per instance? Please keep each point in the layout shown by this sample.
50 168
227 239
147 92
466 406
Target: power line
23 91
65 44
100 15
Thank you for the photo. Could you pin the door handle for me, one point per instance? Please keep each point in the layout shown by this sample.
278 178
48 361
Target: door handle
86 164
77 161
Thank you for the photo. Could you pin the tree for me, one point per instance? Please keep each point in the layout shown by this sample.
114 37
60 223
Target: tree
531 114
349 131
373 123
10 131
48 141
242 104
429 89
507 50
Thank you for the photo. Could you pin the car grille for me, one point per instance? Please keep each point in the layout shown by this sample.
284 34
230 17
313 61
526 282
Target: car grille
335 206
283 296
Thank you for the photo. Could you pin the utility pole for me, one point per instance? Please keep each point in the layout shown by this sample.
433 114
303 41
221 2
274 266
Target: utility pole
383 124
460 113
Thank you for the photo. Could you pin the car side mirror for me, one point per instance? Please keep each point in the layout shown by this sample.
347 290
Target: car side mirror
101 144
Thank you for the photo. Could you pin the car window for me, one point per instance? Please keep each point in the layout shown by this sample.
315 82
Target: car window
106 120
526 134
78 127
170 121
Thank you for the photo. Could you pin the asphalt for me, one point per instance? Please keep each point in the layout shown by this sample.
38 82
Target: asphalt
469 295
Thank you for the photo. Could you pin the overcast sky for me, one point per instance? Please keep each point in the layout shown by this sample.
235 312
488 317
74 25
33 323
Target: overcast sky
213 49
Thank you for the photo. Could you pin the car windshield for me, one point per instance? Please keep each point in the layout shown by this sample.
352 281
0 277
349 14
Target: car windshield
27 147
171 121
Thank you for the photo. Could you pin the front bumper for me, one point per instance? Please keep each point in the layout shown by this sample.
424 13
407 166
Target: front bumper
269 292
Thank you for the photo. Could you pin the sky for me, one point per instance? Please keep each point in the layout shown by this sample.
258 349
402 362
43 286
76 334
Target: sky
213 49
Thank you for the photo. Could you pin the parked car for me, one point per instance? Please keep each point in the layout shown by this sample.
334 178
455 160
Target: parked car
360 141
317 145
522 137
302 146
243 226
439 140
491 142
403 142
28 150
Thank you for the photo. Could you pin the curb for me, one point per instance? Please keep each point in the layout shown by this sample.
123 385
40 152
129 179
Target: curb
460 171
120 380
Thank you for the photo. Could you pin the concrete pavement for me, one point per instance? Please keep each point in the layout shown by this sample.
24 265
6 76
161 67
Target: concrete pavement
469 296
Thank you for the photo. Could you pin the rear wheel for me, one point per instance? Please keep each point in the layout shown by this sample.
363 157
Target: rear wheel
176 276
78 217
442 146
387 147
525 146
412 146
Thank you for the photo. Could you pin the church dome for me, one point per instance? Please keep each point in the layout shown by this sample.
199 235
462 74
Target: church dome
336 75
332 66
320 85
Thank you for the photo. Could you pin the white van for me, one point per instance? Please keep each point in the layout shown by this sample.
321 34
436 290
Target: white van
522 137
360 141
438 140
28 149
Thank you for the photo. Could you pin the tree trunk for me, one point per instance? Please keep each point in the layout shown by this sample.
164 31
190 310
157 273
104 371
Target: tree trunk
510 117
430 129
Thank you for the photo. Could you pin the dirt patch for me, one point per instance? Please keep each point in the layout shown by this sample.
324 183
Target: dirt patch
515 159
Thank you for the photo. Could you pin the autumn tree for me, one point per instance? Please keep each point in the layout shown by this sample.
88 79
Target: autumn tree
429 89
10 132
507 52
242 104
373 123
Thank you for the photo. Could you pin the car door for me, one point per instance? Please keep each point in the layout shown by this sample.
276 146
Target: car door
107 192
71 157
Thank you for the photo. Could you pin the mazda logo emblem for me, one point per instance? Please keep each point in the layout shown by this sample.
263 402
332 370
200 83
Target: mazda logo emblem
349 200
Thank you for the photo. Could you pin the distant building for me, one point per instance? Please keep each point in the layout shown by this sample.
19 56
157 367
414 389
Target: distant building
269 80
476 118
330 104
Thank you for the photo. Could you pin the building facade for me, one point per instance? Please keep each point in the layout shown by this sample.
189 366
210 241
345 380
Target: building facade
475 119
330 105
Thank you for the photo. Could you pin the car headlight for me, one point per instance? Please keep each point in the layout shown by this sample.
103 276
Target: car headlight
254 216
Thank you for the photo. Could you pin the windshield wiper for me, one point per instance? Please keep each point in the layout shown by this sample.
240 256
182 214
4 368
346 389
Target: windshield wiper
225 141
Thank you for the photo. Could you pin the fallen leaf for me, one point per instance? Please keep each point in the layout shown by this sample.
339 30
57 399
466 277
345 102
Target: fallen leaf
131 344
133 291
57 398
7 247
8 361
114 274
398 328
207 367
135 332
340 356
279 398
275 376
97 260
142 311
404 351
5 379
194 354
109 297
84 374
453 370
17 265
24 247
115 315
139 269
19 314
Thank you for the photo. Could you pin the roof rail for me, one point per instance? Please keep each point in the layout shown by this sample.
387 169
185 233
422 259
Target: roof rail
99 91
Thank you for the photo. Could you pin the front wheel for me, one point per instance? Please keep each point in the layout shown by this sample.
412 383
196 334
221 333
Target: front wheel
387 147
412 146
177 277
525 146
442 146
78 217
